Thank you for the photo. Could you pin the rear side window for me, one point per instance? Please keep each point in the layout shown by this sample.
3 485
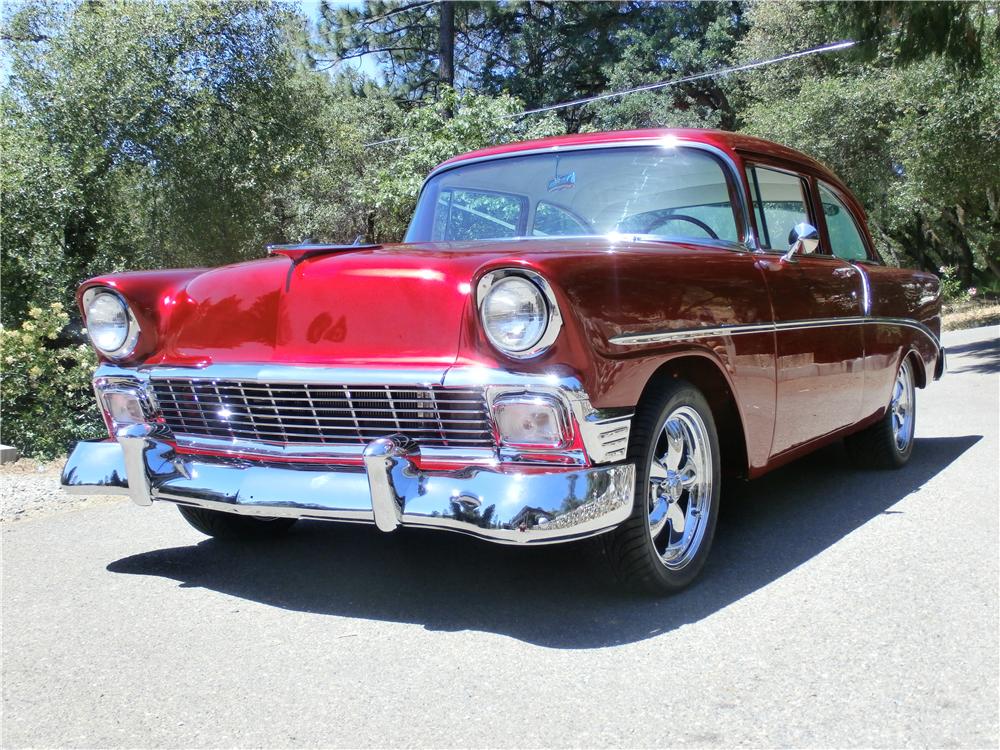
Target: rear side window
845 239
471 214
779 203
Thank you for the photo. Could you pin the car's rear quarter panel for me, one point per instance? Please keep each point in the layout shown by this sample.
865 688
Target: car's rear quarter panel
909 295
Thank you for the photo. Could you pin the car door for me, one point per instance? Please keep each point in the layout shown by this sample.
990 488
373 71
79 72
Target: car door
888 293
815 302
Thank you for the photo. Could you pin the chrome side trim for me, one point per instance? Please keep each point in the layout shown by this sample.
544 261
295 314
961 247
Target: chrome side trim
687 334
866 290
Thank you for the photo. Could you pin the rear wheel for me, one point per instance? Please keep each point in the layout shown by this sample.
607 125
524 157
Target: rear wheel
888 443
231 526
675 447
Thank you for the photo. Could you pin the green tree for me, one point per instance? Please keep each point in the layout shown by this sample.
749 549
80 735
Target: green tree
538 52
675 41
960 31
917 141
145 134
379 153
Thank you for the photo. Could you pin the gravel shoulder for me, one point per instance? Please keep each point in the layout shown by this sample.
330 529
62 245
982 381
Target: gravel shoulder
30 489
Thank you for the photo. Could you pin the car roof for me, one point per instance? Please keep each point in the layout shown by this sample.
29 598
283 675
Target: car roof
721 139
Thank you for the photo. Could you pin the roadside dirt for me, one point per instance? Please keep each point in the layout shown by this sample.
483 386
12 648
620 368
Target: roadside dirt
30 489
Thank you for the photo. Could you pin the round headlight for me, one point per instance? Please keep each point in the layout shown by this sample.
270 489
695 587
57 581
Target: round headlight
110 326
515 314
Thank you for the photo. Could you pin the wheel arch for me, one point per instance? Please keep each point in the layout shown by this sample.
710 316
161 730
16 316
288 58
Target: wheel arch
709 377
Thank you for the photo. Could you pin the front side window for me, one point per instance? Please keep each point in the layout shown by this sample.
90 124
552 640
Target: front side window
671 192
845 239
779 203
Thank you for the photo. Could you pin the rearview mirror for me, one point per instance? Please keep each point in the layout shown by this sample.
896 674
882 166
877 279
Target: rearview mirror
802 239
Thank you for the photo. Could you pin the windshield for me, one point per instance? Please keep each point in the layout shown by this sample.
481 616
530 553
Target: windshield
666 192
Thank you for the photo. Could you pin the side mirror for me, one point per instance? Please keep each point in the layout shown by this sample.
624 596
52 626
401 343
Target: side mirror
802 239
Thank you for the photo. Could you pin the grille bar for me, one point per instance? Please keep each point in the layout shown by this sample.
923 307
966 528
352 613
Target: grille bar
323 414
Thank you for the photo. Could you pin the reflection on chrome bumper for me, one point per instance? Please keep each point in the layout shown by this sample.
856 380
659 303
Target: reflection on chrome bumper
499 503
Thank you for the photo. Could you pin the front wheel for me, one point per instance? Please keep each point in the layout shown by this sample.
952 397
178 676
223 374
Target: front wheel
888 443
221 525
675 447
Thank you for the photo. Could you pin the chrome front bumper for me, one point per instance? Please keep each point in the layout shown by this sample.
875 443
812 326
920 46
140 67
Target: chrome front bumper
501 503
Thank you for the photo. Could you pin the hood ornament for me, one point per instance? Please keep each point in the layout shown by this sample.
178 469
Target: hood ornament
309 248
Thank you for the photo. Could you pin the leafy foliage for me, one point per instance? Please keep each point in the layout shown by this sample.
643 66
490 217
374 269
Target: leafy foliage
48 401
154 134
918 143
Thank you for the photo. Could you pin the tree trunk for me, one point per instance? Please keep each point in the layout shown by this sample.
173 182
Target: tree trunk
918 243
446 46
967 265
993 252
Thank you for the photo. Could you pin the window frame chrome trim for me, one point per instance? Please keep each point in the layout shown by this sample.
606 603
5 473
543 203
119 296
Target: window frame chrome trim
866 289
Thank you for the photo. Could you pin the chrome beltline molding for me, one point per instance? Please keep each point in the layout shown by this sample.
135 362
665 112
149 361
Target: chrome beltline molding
687 334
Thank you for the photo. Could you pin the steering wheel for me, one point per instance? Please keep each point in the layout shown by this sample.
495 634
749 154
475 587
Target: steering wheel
683 217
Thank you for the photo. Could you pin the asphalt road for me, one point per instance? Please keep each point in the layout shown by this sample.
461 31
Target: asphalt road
840 608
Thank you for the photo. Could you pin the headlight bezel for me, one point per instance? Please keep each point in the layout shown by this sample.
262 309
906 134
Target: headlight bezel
554 320
131 339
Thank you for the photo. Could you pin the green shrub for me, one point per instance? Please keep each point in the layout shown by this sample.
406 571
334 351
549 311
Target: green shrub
951 286
48 402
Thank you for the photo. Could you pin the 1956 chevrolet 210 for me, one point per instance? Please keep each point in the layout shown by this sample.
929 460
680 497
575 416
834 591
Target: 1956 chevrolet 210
579 336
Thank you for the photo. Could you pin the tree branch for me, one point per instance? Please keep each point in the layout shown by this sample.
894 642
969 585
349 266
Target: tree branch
24 38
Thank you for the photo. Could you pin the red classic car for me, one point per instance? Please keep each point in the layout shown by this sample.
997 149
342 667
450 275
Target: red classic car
579 336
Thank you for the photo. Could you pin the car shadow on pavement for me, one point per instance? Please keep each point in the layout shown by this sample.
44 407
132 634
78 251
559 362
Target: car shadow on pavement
984 360
559 596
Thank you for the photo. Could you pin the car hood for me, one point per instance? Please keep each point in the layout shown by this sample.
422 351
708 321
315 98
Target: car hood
407 304
366 306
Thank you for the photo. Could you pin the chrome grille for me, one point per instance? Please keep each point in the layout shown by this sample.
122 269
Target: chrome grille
291 413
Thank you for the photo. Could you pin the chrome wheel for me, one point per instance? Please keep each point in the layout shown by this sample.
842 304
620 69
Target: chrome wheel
901 407
680 487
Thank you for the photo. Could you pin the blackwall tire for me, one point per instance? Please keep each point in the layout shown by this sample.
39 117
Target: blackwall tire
888 444
231 526
674 445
